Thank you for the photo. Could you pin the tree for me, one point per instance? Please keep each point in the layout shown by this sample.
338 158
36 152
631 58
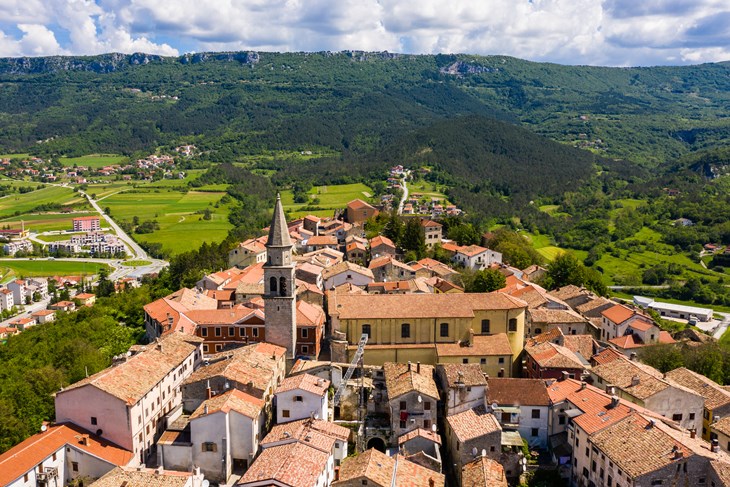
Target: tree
393 227
414 238
105 287
564 270
485 281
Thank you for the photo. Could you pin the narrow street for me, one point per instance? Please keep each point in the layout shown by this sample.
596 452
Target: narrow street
405 193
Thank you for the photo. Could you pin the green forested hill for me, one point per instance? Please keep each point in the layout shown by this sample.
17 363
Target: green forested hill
241 103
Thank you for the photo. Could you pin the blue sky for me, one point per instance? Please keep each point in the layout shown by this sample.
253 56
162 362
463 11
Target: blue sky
596 32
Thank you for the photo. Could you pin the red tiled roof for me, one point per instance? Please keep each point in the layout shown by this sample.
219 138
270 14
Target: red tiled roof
322 240
304 382
292 464
31 452
232 400
618 313
381 240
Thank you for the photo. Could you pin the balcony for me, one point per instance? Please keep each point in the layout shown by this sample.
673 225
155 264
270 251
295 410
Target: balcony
48 475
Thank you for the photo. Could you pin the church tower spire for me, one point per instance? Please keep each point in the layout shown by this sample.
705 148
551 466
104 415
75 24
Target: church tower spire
279 290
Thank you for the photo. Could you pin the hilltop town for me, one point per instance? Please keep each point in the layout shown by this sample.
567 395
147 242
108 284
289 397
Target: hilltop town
321 357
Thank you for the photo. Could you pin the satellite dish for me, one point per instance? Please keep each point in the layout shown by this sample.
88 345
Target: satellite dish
420 399
484 452
474 451
205 483
43 428
433 428
495 405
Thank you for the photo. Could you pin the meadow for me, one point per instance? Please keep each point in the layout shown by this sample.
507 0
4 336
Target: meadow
16 203
330 198
45 222
93 161
181 228
11 269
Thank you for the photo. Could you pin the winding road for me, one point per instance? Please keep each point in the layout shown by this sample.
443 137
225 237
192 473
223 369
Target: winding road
405 192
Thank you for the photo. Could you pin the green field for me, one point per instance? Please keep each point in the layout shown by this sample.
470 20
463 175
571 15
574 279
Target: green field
428 190
93 161
330 199
25 203
10 269
181 228
15 156
543 245
45 222
136 263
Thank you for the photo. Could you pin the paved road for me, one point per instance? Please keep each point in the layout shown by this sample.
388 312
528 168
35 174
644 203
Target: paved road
139 253
405 193
722 327
29 309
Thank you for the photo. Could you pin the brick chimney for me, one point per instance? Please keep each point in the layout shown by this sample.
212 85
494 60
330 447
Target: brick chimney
418 367
635 381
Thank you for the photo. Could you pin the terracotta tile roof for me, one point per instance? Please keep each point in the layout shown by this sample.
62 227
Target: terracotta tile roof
84 296
553 316
715 395
221 316
570 291
232 400
419 433
410 474
473 423
402 378
582 344
29 453
550 355
317 433
322 240
554 335
472 250
636 447
666 337
192 299
355 246
721 470
722 425
606 356
253 364
484 345
528 392
304 382
292 464
450 247
637 381
430 223
44 312
346 267
308 287
148 477
309 315
594 307
131 380
626 342
359 204
381 240
383 306
378 468
372 465
483 472
618 313
466 374
253 245
223 295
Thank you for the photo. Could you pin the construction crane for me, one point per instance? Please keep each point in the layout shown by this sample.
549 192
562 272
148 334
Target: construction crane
351 369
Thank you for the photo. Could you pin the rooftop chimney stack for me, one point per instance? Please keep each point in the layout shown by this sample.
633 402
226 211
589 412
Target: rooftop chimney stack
635 381
715 446
564 375
418 367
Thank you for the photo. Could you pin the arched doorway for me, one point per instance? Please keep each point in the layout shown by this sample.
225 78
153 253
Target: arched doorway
377 443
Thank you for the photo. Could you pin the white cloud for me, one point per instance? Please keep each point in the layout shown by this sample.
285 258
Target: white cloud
612 32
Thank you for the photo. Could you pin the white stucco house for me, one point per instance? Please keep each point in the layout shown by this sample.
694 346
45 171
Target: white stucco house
302 396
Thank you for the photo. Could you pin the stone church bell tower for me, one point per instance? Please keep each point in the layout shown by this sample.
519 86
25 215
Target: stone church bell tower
279 286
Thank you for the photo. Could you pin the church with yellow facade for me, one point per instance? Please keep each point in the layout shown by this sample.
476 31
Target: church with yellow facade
483 328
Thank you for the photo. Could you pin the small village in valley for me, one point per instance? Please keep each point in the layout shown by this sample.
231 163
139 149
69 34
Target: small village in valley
321 357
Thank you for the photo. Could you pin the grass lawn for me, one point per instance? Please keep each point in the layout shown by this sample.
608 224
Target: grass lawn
181 228
552 210
45 222
136 263
24 203
15 156
93 161
10 269
330 198
428 190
